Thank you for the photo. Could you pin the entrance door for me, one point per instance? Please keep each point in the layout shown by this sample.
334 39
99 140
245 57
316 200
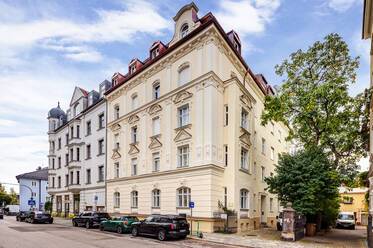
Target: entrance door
76 204
263 215
67 209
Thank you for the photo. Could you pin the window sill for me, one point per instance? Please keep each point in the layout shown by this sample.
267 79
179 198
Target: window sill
156 207
100 128
183 127
88 158
88 134
244 209
100 154
245 171
134 143
100 181
182 208
87 183
134 207
180 167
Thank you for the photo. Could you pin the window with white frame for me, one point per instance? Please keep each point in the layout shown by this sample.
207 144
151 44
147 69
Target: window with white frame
134 199
156 124
101 121
155 53
263 173
183 115
184 75
134 101
116 200
116 170
226 155
183 197
156 161
134 166
271 204
134 134
244 199
272 153
132 69
116 112
244 159
183 156
184 30
156 90
101 173
226 116
244 119
156 198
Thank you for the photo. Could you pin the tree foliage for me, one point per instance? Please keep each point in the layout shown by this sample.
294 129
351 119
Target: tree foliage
307 180
314 102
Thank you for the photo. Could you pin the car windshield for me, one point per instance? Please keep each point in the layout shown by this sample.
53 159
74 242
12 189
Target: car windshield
132 218
346 217
180 221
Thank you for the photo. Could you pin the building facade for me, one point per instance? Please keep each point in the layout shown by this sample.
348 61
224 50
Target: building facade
184 126
77 151
33 185
353 200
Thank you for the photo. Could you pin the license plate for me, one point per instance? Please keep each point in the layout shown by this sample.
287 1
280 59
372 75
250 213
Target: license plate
183 230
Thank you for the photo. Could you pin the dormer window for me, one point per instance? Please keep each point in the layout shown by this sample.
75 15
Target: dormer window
154 53
132 69
184 30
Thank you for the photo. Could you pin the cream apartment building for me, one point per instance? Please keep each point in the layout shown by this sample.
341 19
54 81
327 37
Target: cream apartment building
184 126
77 161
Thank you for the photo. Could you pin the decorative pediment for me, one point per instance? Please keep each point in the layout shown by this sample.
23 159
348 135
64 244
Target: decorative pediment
133 119
155 108
133 149
182 134
246 101
115 127
154 142
245 137
182 96
116 154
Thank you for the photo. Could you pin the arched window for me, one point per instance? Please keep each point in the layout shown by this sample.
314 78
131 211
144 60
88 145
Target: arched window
116 112
134 199
116 200
156 198
156 90
183 197
184 30
244 199
135 101
184 74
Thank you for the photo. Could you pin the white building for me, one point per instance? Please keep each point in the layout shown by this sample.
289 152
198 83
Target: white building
77 152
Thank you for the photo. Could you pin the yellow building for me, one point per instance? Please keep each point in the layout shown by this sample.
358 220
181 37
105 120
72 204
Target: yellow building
184 126
353 200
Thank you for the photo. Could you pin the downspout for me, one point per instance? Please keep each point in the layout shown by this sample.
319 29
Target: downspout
105 163
39 194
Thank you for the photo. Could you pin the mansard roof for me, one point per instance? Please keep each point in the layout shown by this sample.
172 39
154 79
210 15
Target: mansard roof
40 174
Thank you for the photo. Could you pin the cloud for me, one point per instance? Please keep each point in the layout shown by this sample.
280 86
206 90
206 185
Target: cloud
342 5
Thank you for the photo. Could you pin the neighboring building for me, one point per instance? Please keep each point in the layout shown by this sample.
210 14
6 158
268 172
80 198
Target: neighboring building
353 200
367 32
77 152
33 185
184 126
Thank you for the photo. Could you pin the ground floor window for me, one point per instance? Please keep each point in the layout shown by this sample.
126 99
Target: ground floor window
183 197
156 198
134 199
244 199
116 200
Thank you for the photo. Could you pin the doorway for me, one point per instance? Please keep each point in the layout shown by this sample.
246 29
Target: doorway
263 212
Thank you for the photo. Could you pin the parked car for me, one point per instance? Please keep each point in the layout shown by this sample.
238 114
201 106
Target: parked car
119 225
21 215
38 217
11 210
90 219
279 221
162 227
1 214
346 220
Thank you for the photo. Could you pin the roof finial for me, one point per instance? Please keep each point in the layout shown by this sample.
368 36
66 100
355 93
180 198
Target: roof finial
58 104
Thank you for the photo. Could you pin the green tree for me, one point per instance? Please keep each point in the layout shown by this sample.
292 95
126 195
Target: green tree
314 103
308 181
48 206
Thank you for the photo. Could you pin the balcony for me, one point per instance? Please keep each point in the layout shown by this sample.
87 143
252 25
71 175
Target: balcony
75 188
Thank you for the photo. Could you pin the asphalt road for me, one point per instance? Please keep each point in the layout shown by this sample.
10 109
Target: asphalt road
15 234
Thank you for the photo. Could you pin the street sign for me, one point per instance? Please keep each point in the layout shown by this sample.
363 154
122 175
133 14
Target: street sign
191 204
224 216
31 202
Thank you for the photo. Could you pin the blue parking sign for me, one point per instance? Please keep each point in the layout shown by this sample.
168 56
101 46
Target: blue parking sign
191 204
31 202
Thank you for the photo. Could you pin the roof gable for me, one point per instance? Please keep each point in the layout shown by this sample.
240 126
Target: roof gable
78 93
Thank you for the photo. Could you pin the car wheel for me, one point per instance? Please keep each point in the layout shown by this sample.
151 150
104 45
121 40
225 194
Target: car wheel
119 230
102 228
161 235
135 232
353 227
17 219
75 223
51 222
87 225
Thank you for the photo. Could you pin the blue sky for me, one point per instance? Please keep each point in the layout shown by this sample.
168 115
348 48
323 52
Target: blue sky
48 47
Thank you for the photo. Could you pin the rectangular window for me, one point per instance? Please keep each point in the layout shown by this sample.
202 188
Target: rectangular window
156 91
101 121
134 200
244 159
135 102
101 147
156 195
66 159
156 126
272 153
226 155
78 177
59 182
244 199
71 154
254 168
225 197
71 177
134 134
271 204
263 146
59 162
53 163
77 154
116 112
88 151
71 132
116 169
134 167
88 171
263 174
244 119
67 139
226 115
116 142
156 161
59 143
183 115
78 131
66 180
89 128
52 182
101 173
183 156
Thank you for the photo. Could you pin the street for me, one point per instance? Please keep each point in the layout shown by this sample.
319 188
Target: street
15 234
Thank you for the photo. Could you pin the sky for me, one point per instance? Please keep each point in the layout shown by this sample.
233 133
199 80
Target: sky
49 47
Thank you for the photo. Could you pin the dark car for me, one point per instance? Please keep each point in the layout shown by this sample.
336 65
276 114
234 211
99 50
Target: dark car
119 225
162 227
90 219
21 215
1 214
39 217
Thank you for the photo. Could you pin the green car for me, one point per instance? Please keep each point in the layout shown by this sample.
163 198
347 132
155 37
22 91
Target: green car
119 225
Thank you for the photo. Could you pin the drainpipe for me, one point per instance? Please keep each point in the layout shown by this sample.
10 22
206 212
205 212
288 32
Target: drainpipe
106 152
39 194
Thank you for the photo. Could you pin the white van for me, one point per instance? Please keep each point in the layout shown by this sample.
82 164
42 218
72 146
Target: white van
346 220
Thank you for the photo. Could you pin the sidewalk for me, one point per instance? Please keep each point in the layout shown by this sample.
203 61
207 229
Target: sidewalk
62 221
